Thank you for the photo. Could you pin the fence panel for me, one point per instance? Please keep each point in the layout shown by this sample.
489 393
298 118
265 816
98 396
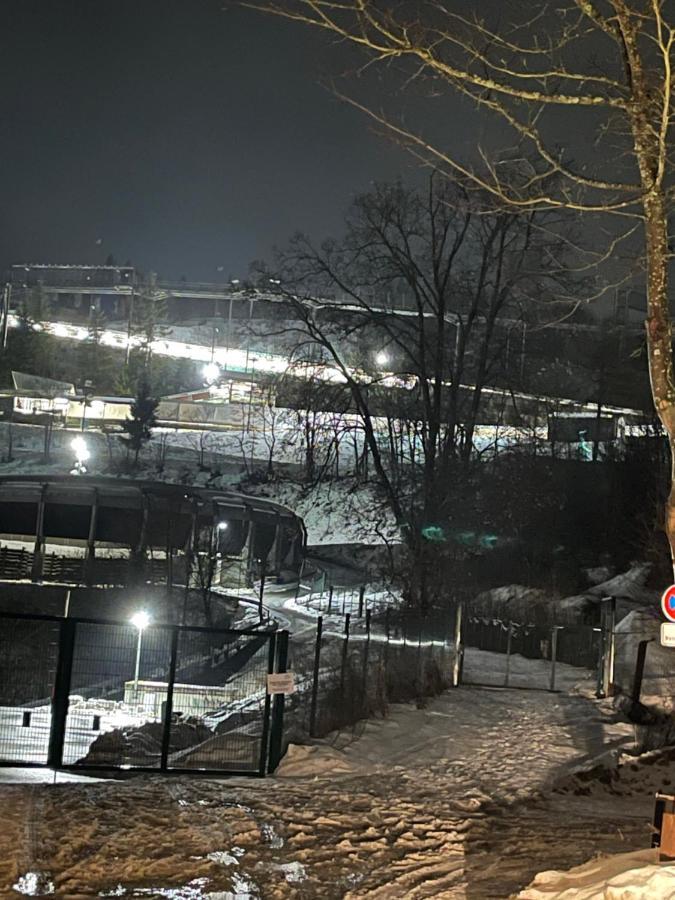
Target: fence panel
545 657
28 660
118 689
219 701
86 694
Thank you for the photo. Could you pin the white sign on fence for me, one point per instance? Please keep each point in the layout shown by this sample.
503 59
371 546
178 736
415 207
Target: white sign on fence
668 634
282 683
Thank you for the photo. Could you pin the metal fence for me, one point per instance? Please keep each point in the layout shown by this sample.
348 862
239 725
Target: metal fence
91 694
347 674
526 655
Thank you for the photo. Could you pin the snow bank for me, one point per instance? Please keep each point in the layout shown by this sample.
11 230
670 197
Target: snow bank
311 761
627 876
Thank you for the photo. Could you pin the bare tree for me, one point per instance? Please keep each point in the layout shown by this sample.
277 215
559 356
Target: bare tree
601 68
458 268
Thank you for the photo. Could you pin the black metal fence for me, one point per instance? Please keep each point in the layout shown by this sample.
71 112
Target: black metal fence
90 694
350 672
525 655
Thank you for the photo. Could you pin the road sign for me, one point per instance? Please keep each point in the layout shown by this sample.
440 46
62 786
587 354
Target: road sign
281 683
668 634
668 603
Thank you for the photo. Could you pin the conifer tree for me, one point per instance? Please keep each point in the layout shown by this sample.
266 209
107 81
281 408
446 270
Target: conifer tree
138 428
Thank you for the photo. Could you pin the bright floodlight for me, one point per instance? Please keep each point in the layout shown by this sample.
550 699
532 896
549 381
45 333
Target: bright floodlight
382 358
140 619
211 373
79 445
222 526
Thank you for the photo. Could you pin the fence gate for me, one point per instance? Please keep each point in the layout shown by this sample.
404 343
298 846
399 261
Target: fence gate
90 694
543 657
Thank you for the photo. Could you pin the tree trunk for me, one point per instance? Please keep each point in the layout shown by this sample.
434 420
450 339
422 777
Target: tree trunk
659 341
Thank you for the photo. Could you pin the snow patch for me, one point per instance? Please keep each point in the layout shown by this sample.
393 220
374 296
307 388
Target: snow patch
626 876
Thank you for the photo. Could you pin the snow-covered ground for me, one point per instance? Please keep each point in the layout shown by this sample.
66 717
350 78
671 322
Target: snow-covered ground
431 802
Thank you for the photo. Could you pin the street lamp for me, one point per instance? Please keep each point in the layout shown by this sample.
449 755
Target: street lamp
382 358
211 372
222 526
140 621
79 446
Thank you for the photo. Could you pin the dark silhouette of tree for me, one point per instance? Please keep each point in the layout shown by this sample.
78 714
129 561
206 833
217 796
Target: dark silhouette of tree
138 428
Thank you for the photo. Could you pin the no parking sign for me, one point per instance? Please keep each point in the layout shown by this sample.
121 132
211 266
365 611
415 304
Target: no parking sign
668 603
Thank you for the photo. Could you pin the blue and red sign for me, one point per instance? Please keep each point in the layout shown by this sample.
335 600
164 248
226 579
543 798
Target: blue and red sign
668 603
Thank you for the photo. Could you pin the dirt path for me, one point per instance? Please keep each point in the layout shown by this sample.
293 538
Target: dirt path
428 803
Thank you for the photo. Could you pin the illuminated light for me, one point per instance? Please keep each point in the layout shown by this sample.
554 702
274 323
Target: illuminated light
140 620
222 526
211 372
79 445
382 358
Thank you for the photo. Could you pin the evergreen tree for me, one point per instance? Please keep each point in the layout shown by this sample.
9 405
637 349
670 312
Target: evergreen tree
138 428
94 360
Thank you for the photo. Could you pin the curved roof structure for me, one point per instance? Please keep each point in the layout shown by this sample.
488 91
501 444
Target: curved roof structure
140 519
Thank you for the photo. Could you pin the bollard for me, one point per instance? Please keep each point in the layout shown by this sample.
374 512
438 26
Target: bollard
663 833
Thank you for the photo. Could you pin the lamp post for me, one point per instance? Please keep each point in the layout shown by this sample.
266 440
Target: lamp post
213 342
140 621
211 372
79 446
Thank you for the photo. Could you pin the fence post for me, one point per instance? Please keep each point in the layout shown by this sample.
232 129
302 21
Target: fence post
330 599
554 655
168 703
508 655
278 705
609 647
366 653
64 668
386 645
362 591
419 661
639 669
262 765
345 649
459 652
315 679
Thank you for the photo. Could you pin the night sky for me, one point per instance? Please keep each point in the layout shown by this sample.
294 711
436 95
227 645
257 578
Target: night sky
185 136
